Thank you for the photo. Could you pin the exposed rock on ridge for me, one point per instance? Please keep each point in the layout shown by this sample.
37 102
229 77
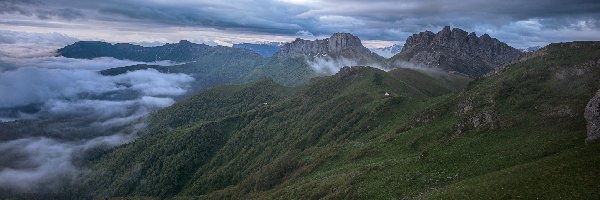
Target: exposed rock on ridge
456 50
338 45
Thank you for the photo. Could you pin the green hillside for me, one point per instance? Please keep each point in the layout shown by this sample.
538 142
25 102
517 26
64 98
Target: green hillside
233 68
293 71
516 134
218 67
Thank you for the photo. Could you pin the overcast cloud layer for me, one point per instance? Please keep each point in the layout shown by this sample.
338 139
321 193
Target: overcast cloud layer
519 23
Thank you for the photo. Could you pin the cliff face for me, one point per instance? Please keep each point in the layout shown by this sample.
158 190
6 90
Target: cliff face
338 45
456 50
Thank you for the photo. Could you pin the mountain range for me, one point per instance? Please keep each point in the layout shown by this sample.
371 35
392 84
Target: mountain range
297 62
367 133
184 51
452 115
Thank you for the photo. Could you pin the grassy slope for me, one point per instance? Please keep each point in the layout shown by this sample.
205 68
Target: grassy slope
540 156
262 134
286 71
341 138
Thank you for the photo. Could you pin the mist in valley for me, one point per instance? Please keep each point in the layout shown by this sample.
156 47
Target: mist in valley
56 112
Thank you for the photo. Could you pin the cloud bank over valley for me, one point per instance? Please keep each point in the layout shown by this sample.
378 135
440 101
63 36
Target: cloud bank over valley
56 110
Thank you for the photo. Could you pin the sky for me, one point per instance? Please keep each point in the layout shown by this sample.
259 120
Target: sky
377 22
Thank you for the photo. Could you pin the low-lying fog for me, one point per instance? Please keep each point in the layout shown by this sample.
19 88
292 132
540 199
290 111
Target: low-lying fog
54 109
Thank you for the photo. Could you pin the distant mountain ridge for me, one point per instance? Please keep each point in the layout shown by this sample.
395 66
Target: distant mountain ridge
208 65
294 63
288 66
266 49
183 51
531 49
456 50
388 51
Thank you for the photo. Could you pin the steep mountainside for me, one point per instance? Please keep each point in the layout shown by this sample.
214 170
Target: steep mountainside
456 50
515 134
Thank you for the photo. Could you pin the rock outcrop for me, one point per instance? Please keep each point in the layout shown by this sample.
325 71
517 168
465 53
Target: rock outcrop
592 116
456 50
339 45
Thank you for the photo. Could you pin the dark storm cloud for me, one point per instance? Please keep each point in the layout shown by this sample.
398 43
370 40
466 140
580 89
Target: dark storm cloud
392 9
38 9
260 16
66 13
16 7
274 19
536 20
381 17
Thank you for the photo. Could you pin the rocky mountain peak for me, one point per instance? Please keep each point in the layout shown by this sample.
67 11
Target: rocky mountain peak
444 33
338 45
486 37
332 45
456 50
